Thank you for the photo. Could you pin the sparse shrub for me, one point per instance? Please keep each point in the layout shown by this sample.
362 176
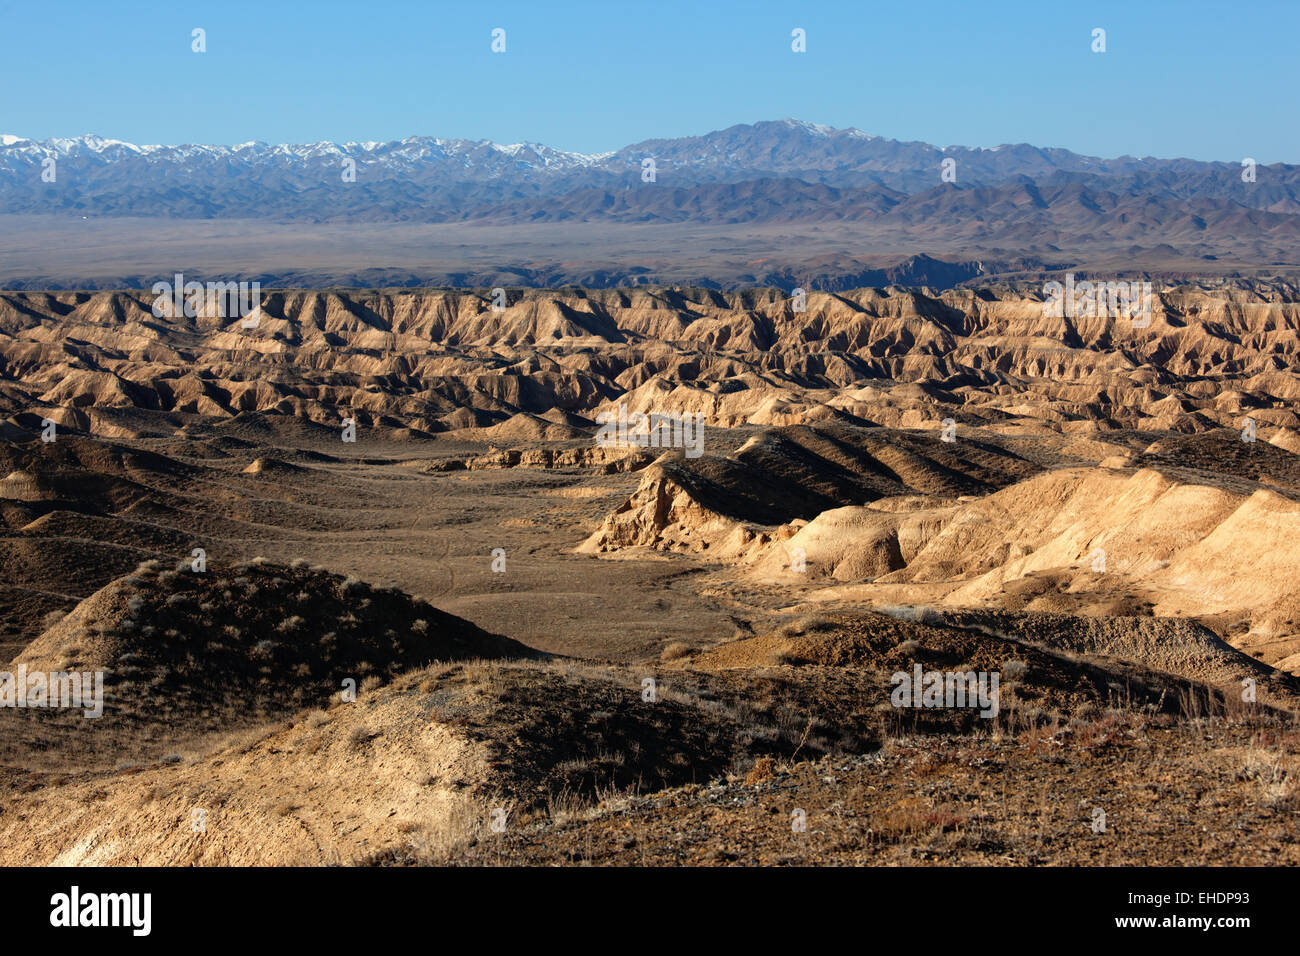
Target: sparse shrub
805 625
908 612
1014 670
762 770
153 794
291 623
1279 796
675 650
1262 766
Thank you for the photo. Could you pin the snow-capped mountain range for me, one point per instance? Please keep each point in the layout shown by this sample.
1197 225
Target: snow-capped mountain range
774 169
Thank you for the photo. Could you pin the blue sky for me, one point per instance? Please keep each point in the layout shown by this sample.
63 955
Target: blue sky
1208 80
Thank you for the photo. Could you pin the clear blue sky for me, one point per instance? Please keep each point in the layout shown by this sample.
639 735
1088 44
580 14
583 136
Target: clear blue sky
1208 80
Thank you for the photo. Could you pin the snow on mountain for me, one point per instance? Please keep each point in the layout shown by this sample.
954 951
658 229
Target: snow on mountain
441 179
415 147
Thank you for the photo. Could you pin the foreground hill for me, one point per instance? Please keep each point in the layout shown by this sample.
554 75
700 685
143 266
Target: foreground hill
456 761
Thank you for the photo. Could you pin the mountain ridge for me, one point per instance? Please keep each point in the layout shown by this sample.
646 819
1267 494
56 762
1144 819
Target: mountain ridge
771 203
445 179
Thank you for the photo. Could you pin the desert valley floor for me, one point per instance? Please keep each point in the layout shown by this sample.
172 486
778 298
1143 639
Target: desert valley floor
571 652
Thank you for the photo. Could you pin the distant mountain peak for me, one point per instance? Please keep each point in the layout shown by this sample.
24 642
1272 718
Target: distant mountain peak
764 171
820 129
